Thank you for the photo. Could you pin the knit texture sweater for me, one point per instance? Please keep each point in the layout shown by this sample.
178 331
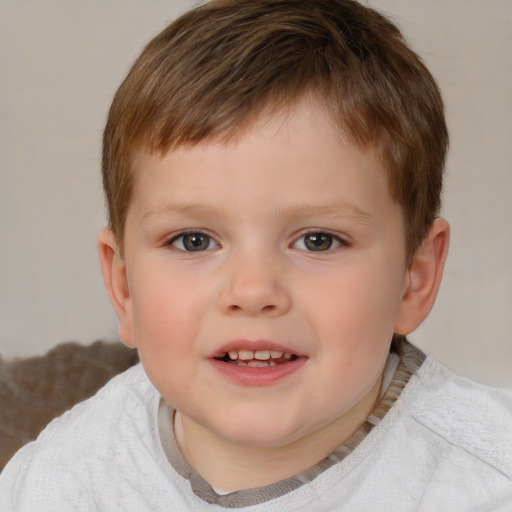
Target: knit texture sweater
434 442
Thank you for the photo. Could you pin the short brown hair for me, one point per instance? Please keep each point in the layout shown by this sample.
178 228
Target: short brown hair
214 69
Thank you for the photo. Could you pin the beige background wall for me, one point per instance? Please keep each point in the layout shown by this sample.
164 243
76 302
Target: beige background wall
60 63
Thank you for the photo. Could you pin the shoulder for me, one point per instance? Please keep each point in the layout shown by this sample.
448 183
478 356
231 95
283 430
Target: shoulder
129 394
472 417
446 444
95 440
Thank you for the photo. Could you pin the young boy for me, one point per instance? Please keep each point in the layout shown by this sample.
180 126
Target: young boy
273 171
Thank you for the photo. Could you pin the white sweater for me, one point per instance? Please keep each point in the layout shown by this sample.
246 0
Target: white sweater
445 446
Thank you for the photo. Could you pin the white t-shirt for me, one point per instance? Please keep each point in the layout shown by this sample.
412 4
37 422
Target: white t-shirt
445 444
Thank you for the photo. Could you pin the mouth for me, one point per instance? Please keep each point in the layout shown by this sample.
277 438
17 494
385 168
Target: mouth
256 363
264 358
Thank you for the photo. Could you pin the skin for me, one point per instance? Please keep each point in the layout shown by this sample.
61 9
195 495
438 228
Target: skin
255 202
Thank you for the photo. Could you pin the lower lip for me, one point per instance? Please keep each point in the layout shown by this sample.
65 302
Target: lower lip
258 376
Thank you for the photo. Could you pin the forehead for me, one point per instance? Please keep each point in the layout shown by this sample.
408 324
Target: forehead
289 158
274 121
273 114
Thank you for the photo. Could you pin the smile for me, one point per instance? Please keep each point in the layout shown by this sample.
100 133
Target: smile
256 363
256 358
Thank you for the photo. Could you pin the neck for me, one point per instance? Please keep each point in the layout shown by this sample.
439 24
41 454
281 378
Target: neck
231 466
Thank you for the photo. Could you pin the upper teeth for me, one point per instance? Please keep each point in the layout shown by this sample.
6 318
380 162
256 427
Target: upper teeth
261 355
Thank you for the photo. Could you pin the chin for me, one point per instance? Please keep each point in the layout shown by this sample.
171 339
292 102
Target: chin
259 433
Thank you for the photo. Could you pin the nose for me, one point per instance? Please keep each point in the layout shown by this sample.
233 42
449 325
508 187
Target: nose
254 286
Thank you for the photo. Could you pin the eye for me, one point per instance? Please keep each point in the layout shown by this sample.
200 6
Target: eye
318 241
193 241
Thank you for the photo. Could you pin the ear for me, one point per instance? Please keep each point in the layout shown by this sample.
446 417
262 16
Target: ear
423 278
115 278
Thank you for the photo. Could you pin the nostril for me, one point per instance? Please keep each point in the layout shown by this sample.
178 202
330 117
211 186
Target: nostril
239 298
268 310
265 309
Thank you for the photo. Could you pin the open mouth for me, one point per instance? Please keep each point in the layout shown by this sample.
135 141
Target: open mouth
256 358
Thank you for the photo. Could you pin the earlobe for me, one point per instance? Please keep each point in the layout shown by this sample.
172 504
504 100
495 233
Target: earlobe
115 278
423 278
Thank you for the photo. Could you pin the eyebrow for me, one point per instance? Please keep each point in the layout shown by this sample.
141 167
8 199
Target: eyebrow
342 211
181 208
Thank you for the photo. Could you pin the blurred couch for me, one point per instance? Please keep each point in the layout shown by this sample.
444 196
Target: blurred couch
35 390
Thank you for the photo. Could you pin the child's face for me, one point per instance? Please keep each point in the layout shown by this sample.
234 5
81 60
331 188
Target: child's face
286 242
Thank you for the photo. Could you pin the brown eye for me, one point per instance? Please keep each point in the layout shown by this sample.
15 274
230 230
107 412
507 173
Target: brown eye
193 242
318 241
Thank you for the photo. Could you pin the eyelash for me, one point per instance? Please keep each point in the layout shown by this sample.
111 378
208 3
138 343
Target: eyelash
181 236
333 241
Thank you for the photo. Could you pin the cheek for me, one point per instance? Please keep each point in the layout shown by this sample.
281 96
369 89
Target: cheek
166 324
353 320
167 309
355 310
